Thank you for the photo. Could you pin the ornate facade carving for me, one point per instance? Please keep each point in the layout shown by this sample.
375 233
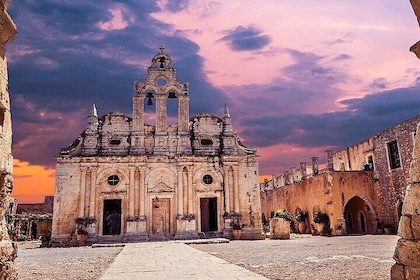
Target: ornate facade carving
165 181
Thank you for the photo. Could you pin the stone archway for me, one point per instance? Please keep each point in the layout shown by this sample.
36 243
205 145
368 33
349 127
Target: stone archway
359 216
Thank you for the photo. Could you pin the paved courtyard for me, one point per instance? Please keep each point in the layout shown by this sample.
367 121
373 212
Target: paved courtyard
302 257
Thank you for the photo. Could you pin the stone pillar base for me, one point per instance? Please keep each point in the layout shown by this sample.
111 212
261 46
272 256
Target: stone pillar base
63 241
136 230
252 234
136 236
185 229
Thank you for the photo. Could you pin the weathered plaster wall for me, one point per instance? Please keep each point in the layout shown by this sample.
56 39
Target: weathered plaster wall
354 157
330 190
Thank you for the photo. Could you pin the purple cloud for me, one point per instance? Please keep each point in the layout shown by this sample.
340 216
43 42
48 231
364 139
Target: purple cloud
245 38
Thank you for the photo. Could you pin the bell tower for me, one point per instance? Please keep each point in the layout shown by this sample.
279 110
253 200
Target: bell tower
159 86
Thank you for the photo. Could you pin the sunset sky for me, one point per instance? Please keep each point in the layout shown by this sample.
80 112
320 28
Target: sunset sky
299 76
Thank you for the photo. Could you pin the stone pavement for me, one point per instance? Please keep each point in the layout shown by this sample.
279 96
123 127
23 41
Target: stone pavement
171 260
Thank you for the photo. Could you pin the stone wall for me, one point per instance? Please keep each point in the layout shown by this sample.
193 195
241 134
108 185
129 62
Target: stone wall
37 208
328 192
7 248
407 251
390 183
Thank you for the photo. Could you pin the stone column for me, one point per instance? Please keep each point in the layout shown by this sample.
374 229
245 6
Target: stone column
303 169
183 113
407 251
8 250
180 193
136 192
82 191
236 189
190 192
143 193
286 178
92 205
294 178
227 191
315 169
138 108
329 158
131 194
160 113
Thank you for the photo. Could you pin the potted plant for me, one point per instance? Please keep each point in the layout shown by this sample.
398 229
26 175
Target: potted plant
339 230
236 229
266 228
45 240
301 217
81 236
323 222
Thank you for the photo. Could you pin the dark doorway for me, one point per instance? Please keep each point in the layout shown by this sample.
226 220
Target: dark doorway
208 207
349 223
362 222
34 230
112 217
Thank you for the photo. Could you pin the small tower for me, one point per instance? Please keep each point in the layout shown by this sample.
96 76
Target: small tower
229 145
90 145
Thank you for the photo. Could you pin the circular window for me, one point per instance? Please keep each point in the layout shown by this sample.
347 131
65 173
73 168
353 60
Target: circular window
161 82
207 179
113 180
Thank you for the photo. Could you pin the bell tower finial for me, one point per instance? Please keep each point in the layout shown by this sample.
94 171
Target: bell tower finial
162 48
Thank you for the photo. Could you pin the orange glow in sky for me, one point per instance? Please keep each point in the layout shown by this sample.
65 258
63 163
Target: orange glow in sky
31 183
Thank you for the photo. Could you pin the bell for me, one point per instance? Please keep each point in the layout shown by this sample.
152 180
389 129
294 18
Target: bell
162 63
149 100
171 94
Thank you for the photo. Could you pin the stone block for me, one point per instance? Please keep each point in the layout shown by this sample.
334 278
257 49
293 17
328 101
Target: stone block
279 228
411 204
407 252
415 226
397 272
412 273
414 171
404 229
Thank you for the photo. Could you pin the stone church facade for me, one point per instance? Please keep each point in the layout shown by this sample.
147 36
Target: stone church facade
125 180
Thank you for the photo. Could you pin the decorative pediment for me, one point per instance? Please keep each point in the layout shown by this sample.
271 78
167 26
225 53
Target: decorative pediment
160 187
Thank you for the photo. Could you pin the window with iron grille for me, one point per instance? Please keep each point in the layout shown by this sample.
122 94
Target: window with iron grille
394 155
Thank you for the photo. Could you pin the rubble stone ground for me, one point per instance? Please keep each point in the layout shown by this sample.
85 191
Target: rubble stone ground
302 257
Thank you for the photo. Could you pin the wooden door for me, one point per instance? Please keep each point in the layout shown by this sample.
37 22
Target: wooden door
161 213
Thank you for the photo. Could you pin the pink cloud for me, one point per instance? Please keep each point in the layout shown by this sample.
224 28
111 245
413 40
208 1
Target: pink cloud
120 19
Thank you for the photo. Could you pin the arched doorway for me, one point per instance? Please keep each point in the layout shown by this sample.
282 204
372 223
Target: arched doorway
359 216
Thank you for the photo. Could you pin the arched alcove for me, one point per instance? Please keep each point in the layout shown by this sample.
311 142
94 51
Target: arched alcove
359 216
